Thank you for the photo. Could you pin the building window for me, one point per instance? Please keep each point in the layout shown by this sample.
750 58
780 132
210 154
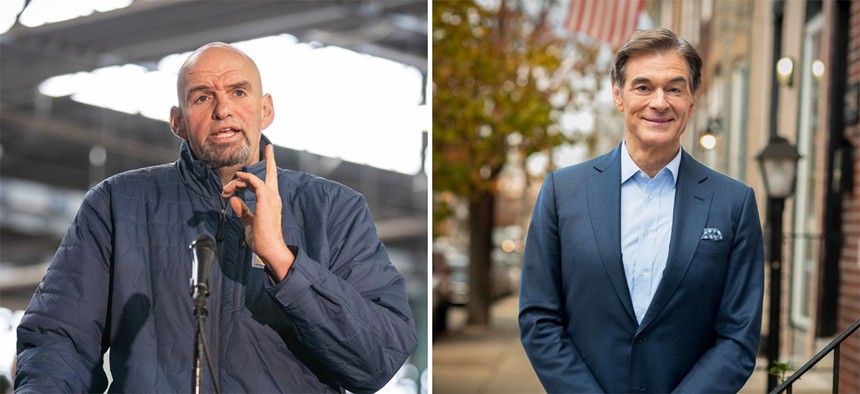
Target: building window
737 123
810 178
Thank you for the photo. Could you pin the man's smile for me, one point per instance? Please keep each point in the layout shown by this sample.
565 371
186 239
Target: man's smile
655 119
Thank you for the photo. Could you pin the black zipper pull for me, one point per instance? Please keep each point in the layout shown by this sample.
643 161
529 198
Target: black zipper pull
222 226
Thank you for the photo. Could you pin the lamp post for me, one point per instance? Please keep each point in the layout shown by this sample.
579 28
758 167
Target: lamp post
778 165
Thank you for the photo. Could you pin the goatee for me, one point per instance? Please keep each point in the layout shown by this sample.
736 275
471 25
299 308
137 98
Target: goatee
220 155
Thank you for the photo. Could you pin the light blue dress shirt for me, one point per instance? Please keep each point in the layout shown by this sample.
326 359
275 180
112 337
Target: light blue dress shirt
647 206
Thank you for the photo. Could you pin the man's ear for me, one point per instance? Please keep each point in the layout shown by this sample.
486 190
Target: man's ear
616 96
177 125
693 102
267 110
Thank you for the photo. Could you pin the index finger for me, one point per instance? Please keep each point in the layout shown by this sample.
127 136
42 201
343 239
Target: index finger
271 168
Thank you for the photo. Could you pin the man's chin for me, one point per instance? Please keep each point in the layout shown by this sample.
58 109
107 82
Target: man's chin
233 156
661 135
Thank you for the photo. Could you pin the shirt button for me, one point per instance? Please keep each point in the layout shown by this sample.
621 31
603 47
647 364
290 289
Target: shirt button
647 233
650 197
639 313
643 273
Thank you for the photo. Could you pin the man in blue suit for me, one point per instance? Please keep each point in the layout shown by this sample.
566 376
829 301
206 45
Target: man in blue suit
643 268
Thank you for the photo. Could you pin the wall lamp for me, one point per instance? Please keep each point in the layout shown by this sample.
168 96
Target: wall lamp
778 165
818 69
708 139
785 71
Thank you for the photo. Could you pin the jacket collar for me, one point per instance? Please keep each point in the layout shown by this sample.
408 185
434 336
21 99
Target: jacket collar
629 167
604 207
203 179
692 205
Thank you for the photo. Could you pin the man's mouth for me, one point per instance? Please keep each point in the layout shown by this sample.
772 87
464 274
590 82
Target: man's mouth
225 133
658 120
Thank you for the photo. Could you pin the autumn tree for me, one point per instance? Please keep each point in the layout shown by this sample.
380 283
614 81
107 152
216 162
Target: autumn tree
503 73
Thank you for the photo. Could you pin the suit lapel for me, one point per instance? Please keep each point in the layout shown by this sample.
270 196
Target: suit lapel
604 208
692 205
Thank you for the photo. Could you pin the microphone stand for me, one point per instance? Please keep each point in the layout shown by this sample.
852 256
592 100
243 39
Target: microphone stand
203 254
200 291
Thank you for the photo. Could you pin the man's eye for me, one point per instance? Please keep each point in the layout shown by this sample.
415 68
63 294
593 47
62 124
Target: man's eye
641 88
201 99
240 93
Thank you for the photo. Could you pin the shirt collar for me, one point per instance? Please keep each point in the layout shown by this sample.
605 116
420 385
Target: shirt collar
629 168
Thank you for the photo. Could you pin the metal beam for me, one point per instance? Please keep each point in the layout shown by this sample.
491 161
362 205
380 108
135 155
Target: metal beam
263 27
68 131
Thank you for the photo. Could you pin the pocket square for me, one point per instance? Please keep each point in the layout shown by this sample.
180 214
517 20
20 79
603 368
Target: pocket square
712 234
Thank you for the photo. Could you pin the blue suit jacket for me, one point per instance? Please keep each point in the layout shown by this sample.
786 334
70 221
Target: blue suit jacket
701 331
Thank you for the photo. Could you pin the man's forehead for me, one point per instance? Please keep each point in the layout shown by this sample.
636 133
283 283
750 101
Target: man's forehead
646 66
228 77
680 78
211 80
219 62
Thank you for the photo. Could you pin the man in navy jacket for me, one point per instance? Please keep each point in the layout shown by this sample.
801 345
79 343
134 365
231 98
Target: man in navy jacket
643 269
304 297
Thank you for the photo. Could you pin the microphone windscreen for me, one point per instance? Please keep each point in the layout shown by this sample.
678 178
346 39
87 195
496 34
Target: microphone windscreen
203 253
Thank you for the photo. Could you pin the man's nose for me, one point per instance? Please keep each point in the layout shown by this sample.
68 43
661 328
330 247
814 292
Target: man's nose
658 100
222 108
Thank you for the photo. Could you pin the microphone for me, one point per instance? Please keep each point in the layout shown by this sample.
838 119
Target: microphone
203 254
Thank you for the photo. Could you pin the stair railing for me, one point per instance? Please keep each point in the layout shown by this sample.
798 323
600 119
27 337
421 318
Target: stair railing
833 346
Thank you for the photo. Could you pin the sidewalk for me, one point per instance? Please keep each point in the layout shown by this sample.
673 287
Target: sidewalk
472 360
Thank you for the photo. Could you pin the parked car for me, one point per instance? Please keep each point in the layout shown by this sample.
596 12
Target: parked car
441 290
458 292
501 283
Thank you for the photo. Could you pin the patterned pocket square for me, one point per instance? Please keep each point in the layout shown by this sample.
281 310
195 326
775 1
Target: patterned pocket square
712 234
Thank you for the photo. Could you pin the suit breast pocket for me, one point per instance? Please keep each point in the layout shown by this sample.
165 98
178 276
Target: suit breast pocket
712 247
708 269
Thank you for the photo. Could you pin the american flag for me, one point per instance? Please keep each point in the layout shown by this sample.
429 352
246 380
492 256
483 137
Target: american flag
610 21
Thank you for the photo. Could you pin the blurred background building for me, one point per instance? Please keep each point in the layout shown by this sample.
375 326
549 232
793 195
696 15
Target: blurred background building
743 102
87 88
789 69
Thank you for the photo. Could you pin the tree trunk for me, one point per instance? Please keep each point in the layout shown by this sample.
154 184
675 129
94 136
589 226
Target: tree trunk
480 246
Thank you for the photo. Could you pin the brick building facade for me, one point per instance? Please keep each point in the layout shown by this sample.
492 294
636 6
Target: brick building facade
849 289
741 42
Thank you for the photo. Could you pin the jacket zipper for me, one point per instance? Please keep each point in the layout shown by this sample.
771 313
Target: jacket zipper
222 225
215 312
215 309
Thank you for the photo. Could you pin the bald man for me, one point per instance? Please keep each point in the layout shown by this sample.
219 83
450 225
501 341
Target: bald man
303 296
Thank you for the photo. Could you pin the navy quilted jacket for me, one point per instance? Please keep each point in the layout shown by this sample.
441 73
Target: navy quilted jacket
120 280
